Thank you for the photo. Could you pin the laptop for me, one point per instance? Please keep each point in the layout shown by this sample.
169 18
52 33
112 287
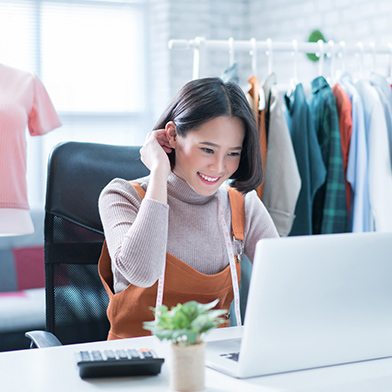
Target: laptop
313 301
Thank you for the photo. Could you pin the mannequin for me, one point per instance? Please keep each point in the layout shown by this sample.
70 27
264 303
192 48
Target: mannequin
23 102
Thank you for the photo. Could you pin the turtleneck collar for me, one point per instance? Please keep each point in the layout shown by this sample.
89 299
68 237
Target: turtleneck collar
179 189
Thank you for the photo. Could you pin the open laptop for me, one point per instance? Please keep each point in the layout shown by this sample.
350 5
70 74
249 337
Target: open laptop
313 301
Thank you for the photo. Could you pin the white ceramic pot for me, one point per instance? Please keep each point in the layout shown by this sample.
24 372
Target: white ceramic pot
187 368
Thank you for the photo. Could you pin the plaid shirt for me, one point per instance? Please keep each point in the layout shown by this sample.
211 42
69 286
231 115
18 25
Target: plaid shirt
329 207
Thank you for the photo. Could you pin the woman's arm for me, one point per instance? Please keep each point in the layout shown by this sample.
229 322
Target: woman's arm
136 232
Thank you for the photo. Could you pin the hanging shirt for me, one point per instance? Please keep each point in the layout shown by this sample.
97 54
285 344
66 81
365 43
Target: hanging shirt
380 173
23 102
256 99
329 208
308 156
282 180
385 93
343 106
357 165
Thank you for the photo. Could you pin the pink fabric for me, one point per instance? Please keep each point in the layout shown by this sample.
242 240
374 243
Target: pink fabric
12 294
29 267
23 102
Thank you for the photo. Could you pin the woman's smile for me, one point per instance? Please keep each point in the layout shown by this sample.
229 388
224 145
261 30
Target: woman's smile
208 179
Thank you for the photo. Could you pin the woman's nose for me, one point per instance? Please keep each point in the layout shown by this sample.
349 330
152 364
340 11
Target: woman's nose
218 165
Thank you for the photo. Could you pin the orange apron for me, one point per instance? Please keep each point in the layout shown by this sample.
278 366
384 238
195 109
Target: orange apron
128 309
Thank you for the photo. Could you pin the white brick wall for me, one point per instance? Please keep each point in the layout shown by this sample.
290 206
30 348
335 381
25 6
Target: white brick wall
281 20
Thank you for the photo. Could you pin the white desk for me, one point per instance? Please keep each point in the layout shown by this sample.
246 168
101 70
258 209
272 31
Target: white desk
55 370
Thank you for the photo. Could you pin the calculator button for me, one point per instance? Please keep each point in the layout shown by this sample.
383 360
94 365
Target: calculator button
121 354
146 353
96 355
133 353
110 355
85 356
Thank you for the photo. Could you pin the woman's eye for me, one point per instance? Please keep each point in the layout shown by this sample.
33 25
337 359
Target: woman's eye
207 150
234 154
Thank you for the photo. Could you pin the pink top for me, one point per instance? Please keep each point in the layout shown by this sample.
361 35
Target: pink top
23 101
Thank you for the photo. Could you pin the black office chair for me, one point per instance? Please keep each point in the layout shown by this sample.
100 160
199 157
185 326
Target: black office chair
76 301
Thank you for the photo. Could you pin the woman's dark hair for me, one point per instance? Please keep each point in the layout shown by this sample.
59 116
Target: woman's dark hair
202 100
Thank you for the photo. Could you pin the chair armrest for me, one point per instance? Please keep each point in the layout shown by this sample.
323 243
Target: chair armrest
42 339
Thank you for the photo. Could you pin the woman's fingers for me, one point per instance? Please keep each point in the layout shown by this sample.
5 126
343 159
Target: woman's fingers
162 139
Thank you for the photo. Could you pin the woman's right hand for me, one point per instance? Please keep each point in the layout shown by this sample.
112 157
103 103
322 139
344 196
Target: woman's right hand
154 152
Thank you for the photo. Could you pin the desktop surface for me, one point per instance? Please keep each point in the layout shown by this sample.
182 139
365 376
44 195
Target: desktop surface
55 369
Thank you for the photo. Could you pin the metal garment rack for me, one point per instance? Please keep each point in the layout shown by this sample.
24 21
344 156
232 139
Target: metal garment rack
200 46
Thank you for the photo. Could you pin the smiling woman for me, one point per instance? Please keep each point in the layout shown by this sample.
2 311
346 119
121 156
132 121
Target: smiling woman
168 236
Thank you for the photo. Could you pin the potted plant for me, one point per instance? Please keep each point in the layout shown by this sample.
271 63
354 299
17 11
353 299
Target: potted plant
185 325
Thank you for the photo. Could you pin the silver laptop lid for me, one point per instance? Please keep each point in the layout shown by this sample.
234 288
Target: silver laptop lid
317 301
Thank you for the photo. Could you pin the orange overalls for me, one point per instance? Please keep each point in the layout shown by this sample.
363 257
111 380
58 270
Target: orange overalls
128 309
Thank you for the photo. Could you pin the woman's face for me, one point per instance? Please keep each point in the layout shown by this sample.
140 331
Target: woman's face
208 156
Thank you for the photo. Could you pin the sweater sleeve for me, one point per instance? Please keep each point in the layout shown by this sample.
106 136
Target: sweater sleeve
258 224
135 231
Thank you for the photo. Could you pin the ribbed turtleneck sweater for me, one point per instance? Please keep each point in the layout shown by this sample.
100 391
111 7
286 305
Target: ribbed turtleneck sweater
139 233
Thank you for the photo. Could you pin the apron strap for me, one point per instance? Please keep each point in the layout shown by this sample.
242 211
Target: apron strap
138 189
237 213
105 270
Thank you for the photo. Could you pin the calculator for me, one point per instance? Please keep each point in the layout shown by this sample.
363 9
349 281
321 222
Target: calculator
118 363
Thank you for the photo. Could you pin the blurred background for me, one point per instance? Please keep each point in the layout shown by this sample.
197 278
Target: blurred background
109 71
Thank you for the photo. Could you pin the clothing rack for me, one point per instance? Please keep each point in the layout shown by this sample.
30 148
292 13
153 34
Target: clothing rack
200 45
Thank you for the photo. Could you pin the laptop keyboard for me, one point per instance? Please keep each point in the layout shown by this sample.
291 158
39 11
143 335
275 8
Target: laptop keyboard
232 356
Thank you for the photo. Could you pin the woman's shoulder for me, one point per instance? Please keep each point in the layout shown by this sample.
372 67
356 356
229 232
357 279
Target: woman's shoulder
124 187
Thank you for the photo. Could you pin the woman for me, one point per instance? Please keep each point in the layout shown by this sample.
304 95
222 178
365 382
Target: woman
175 223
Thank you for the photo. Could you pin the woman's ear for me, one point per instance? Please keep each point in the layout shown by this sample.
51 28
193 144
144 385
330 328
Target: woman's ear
171 134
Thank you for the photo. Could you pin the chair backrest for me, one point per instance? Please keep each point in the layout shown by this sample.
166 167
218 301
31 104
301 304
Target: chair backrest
75 298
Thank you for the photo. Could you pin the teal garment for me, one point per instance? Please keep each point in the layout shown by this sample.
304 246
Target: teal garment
246 272
231 74
309 160
329 208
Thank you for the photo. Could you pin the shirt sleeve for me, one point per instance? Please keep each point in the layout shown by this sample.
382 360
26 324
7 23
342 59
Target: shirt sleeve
136 233
43 117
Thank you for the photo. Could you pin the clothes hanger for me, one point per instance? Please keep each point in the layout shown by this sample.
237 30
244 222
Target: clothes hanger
269 54
231 52
253 53
331 79
373 47
320 44
198 55
360 54
294 79
389 77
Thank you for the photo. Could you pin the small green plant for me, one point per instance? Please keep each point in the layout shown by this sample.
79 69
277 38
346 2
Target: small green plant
185 324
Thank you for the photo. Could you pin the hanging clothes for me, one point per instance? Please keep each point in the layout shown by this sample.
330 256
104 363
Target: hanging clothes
256 101
380 173
282 180
308 156
344 108
24 102
357 165
385 93
329 207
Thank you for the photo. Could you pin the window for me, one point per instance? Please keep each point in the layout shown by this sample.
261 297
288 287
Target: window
91 56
